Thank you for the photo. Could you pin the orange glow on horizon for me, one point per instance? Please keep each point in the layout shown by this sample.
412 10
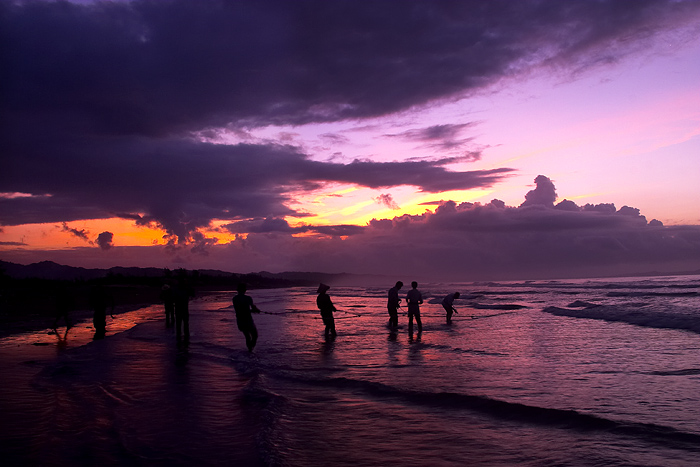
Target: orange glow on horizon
53 236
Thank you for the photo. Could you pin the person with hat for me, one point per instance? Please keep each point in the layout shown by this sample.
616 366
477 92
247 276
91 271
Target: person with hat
324 303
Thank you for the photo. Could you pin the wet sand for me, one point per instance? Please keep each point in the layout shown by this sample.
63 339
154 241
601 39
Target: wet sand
127 399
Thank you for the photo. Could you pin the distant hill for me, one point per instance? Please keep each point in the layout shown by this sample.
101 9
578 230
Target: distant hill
53 271
48 270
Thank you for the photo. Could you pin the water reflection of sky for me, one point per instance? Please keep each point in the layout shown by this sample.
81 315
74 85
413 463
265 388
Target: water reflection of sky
46 342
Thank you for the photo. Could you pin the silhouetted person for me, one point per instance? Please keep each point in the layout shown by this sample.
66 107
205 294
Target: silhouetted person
414 299
393 304
64 304
100 299
244 307
447 304
183 293
324 303
167 296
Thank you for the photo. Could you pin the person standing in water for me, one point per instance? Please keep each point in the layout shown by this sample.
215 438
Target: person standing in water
393 304
244 307
167 296
183 293
448 305
100 299
324 303
414 299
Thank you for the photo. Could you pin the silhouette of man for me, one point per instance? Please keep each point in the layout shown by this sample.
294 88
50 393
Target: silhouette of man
183 293
100 299
447 304
324 303
392 305
244 307
414 299
167 296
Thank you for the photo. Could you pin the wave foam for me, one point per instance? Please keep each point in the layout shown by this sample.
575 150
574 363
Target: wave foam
636 316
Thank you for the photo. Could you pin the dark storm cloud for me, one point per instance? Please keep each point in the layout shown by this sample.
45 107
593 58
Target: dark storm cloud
99 100
155 68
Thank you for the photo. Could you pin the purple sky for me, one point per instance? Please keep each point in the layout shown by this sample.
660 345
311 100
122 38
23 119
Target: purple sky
444 139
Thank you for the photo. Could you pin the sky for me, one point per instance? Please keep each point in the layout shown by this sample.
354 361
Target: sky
440 140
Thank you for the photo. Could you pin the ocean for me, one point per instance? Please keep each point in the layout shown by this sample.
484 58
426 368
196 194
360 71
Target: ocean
591 372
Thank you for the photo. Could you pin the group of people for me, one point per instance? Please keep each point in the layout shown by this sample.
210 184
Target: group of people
244 307
414 299
176 303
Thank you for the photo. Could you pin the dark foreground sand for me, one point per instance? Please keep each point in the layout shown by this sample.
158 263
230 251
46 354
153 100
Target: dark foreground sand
131 398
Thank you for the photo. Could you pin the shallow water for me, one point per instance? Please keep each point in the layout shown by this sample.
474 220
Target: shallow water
524 375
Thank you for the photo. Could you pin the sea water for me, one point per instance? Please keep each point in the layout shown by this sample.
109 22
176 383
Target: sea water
539 373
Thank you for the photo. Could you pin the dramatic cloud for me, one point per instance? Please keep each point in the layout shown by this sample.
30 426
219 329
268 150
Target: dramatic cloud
106 106
158 68
183 184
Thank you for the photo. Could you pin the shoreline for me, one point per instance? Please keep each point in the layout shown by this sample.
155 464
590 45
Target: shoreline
40 318
34 323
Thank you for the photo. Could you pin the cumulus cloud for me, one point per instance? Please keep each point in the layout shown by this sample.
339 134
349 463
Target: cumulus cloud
473 241
543 195
104 240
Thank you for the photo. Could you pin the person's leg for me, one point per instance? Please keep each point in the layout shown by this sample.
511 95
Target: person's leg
178 323
418 322
410 321
253 337
186 323
331 320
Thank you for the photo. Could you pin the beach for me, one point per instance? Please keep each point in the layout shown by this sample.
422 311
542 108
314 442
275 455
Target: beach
585 372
